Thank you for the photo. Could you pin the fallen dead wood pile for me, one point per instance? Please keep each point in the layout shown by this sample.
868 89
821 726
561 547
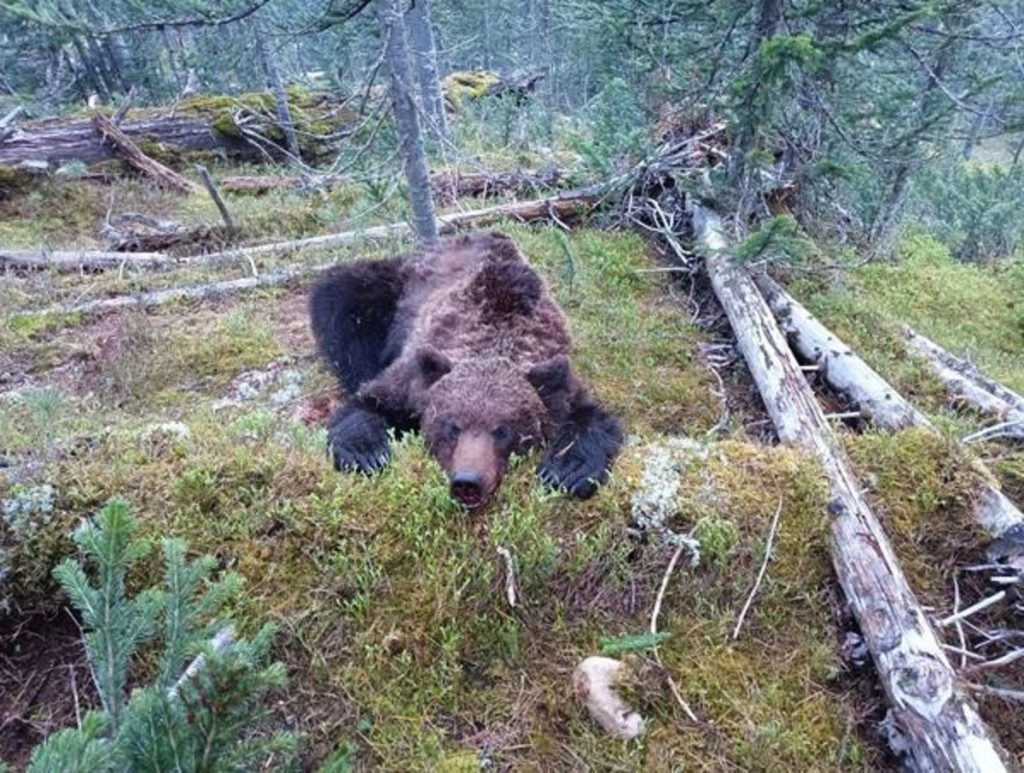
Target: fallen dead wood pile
869 393
940 727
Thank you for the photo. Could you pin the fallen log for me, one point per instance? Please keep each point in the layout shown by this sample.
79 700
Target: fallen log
194 292
202 123
259 184
451 185
849 375
967 383
940 727
71 261
564 208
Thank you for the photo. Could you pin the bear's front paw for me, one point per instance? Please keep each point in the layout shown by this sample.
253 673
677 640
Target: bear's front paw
358 441
576 469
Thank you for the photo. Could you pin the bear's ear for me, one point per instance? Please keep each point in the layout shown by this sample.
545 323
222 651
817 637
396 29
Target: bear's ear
550 378
432 365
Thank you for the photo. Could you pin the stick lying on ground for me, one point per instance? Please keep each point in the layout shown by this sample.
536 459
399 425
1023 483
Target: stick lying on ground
564 207
73 261
883 405
941 728
967 383
555 207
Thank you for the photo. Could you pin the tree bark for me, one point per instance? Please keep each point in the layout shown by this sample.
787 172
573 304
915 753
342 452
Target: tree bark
941 727
421 37
276 86
404 109
851 376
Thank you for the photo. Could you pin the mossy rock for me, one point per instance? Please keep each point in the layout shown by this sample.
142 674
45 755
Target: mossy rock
465 85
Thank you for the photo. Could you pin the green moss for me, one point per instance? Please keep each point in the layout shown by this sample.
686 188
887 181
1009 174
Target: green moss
921 486
467 84
401 646
973 310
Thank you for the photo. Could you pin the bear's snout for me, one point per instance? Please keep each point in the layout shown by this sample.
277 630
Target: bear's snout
475 470
468 488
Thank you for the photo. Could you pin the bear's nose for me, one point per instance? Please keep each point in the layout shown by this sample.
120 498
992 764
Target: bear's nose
468 488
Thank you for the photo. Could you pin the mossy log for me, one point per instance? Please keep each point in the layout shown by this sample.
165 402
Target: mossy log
223 125
940 727
849 375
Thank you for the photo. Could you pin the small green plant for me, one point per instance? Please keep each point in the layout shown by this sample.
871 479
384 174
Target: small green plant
197 716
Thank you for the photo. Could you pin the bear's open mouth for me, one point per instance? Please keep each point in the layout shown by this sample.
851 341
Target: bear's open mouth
470 490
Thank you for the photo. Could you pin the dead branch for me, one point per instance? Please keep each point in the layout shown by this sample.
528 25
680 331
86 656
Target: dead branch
849 375
761 571
163 176
211 188
941 727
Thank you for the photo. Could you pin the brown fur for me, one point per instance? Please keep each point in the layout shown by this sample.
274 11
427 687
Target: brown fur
476 303
476 349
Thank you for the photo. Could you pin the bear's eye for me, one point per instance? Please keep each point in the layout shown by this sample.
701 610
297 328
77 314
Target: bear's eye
452 430
502 435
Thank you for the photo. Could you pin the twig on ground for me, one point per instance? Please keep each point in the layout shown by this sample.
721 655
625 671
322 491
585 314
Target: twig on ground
761 572
664 586
74 695
959 626
983 604
654 629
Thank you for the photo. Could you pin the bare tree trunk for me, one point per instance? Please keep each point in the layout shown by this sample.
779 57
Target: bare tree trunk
421 36
939 725
849 375
276 86
404 109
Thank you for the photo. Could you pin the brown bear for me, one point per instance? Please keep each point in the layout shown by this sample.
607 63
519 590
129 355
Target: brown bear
464 342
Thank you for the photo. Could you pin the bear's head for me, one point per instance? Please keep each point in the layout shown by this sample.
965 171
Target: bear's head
476 413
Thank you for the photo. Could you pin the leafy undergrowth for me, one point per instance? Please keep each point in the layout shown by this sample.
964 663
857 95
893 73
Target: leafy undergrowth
402 650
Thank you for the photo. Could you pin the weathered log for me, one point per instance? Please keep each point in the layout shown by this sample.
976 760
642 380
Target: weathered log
451 185
259 184
849 375
563 208
70 261
566 207
941 727
201 123
164 177
966 382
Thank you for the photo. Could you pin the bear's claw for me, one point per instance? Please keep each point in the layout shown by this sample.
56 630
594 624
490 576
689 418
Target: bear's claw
577 474
358 441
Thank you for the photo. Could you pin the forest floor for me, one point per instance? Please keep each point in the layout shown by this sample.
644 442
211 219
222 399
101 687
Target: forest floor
401 647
